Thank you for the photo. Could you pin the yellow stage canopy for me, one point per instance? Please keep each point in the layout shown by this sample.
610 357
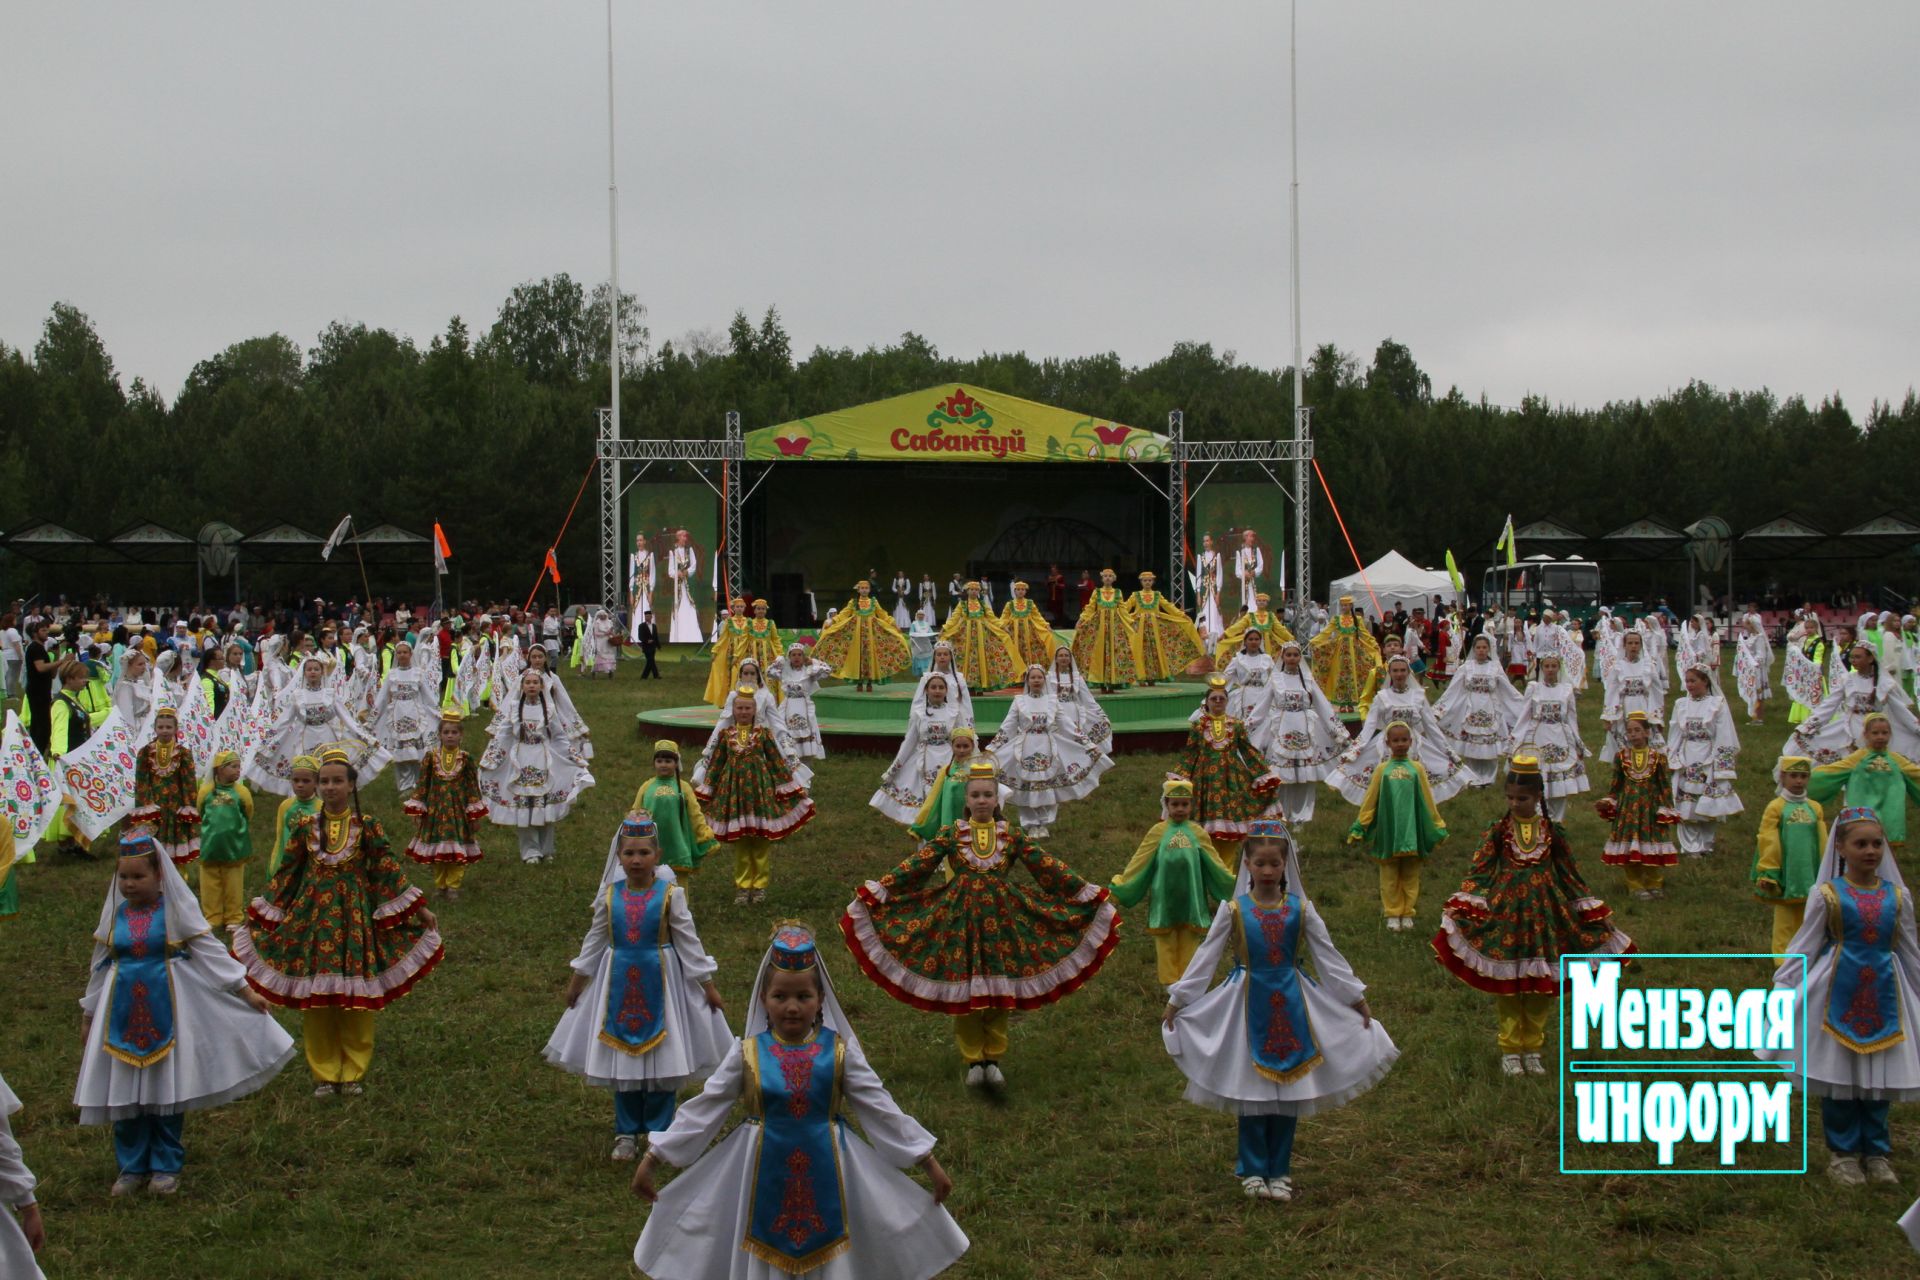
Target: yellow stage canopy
951 423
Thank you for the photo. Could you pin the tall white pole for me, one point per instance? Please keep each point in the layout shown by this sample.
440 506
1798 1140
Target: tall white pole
611 594
1302 432
613 239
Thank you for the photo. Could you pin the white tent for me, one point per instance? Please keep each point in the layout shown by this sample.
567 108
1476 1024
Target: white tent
1395 580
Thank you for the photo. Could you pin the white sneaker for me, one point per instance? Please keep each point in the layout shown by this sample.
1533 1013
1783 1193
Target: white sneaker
993 1076
127 1183
163 1184
1280 1189
1879 1169
1510 1065
626 1147
1256 1188
1845 1170
353 1088
1532 1063
976 1075
741 898
325 1090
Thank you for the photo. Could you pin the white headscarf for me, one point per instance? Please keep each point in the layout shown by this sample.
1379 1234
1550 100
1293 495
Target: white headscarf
617 874
1259 829
792 938
1831 868
185 920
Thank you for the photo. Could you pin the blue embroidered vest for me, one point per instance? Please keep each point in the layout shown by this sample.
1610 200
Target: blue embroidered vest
140 995
799 1217
1863 1006
636 1014
1279 1033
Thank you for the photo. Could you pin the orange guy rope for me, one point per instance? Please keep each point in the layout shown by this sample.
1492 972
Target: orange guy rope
563 533
1341 520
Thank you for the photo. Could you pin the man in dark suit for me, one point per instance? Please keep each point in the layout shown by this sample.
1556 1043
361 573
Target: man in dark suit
649 645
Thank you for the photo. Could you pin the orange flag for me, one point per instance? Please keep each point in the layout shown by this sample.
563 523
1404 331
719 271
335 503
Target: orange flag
553 567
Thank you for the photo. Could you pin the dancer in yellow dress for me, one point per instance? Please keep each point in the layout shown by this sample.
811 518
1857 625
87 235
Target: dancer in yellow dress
982 649
1169 643
861 643
731 647
1027 627
1105 643
762 643
1344 657
1274 632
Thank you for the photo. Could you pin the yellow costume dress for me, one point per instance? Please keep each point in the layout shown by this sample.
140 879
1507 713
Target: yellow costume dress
1345 661
729 651
1168 640
1105 645
982 649
1027 628
861 643
1274 635
762 643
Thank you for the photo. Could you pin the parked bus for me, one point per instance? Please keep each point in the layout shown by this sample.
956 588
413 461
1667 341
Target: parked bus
1539 582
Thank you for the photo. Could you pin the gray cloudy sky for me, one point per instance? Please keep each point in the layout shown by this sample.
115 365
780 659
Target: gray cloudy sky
1585 201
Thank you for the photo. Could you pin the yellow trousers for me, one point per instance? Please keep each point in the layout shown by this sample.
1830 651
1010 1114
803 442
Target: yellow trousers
1641 876
448 875
1786 922
982 1036
339 1043
1400 885
1523 1022
223 893
1174 949
752 863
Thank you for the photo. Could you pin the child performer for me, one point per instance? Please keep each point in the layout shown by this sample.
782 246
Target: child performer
168 1023
1702 748
1786 856
226 843
924 752
165 786
982 943
403 716
1302 737
1633 683
1027 627
304 778
1268 1044
1478 712
338 933
1041 763
1752 667
1077 704
9 906
1105 645
307 719
532 771
1862 980
1232 784
1400 826
1168 642
1176 863
447 808
652 1019
1637 809
1549 729
983 649
1522 906
797 678
1837 726
1403 700
792 1189
752 798
1874 777
861 643
946 801
679 825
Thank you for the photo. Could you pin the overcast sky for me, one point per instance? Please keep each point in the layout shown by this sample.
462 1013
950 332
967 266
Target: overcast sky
1588 202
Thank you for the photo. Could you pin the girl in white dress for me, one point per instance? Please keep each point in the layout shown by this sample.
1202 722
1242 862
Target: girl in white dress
924 752
1633 684
1703 750
20 1237
563 709
531 772
683 562
798 679
1405 701
799 1068
945 666
1302 738
1862 984
1834 728
1478 712
311 716
1699 646
406 717
1549 730
766 714
1209 578
902 592
1252 677
1657 642
1043 762
1078 707
651 1020
1753 667
1270 1044
168 1024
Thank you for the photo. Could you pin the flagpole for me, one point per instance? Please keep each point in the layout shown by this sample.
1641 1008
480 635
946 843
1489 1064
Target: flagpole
366 590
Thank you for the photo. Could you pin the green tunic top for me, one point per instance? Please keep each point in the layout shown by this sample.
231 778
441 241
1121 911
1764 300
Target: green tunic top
1177 864
946 804
684 835
1787 849
1880 780
1398 814
226 822
292 811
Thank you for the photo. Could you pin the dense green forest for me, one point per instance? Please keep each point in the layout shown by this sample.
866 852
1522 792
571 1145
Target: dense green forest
491 434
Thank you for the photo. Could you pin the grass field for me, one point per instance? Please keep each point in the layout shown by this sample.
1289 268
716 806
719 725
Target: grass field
470 1157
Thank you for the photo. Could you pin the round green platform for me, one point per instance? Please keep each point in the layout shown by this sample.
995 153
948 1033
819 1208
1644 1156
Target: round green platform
1144 719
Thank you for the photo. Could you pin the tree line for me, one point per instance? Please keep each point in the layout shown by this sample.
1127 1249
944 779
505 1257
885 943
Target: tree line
492 435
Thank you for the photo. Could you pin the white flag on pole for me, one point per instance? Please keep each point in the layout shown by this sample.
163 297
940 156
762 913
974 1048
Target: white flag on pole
338 536
32 797
97 777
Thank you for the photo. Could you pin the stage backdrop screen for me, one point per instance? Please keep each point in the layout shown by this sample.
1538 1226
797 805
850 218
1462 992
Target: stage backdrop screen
1225 511
657 510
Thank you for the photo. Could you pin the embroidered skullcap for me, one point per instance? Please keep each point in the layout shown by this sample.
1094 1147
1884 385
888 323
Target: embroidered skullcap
1795 764
1216 683
136 842
1855 813
793 947
225 758
455 714
308 763
1261 597
1268 829
667 747
1871 716
1147 575
335 755
1524 765
982 767
637 825
1176 787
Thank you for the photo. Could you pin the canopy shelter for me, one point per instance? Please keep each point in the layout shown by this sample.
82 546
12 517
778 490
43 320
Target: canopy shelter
1781 537
49 543
1642 539
281 543
150 543
390 544
1883 535
1392 580
1541 535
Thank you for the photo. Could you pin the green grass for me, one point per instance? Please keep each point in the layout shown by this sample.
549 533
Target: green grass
470 1157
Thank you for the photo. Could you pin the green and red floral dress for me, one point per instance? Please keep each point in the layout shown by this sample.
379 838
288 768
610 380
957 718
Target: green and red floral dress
1637 808
982 940
1522 906
339 924
749 790
1232 783
449 808
166 797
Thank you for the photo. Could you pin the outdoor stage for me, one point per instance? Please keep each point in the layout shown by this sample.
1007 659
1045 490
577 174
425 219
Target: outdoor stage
1144 719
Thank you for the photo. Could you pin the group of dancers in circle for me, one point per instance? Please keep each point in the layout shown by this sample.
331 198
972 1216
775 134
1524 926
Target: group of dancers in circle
981 919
